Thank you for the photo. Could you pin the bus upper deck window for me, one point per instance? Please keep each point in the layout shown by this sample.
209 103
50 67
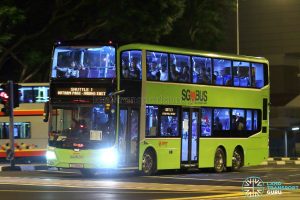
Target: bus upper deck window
83 62
131 63
201 70
222 72
257 75
180 68
241 74
157 66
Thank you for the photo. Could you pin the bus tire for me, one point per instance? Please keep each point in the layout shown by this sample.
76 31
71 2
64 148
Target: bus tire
88 172
219 161
237 160
149 163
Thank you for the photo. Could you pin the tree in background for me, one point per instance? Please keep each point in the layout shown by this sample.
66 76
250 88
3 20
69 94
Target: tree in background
202 24
30 28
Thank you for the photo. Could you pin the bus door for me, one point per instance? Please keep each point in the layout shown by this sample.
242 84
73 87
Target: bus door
189 137
128 139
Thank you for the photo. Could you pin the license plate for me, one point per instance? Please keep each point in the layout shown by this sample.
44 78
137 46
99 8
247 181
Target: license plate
76 165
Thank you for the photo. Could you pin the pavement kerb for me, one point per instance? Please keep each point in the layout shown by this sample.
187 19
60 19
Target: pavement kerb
282 161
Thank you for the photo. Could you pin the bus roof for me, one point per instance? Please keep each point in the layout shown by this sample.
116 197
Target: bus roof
195 52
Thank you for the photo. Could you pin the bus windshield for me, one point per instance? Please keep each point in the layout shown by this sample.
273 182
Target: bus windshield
83 62
82 126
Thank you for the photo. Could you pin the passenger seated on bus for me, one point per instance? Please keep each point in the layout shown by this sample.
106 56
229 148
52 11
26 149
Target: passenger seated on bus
228 81
125 69
174 73
203 77
239 122
216 77
164 72
185 75
74 70
135 72
218 125
68 72
153 72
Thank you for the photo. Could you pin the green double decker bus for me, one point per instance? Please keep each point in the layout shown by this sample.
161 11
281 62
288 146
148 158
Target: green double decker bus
150 107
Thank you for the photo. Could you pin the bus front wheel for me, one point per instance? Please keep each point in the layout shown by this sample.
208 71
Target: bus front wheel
149 163
220 160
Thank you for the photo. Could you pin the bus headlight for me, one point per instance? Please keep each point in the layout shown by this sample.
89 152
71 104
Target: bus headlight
109 157
50 155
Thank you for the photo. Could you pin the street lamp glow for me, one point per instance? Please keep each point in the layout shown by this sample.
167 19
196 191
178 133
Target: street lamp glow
295 129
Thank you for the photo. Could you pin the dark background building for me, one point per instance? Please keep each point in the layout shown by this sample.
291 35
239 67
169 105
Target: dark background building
271 28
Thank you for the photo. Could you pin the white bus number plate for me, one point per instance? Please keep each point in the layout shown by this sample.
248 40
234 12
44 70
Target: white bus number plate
76 165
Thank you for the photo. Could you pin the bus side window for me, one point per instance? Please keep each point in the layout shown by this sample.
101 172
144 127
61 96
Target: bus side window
206 122
255 121
151 120
222 72
249 120
169 122
157 66
238 119
257 75
221 119
241 74
180 68
131 63
201 70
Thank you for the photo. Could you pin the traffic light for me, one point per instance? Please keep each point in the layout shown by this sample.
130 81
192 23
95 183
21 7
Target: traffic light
4 98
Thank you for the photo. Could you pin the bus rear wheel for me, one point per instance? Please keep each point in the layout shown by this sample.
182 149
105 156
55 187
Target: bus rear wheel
220 160
149 163
237 160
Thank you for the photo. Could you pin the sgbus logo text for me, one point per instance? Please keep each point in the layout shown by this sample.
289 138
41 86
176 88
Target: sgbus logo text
197 95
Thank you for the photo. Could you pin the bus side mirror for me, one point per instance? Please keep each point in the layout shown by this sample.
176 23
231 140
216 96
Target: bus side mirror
46 112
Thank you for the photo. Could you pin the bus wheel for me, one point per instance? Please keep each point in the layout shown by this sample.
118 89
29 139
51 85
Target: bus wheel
88 172
237 160
149 163
219 164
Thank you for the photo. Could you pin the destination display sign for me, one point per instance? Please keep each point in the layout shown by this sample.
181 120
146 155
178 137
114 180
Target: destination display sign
80 91
167 111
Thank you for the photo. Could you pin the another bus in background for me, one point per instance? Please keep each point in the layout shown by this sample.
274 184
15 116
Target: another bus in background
30 131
